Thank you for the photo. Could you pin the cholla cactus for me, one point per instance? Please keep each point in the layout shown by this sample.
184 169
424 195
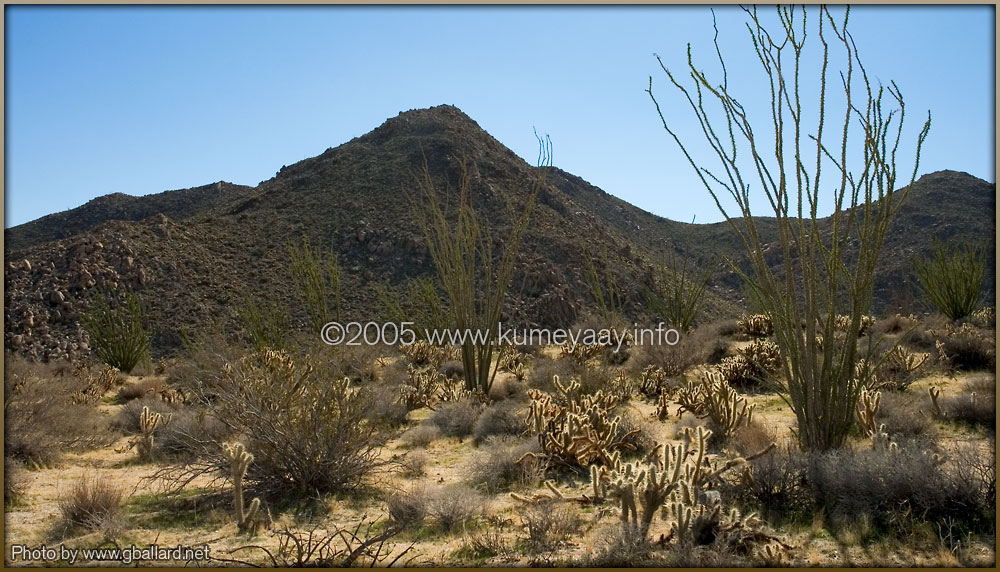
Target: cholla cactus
148 422
866 409
580 353
582 432
662 411
96 385
421 388
673 480
239 461
935 405
985 317
755 325
422 353
713 398
899 367
842 323
621 387
652 380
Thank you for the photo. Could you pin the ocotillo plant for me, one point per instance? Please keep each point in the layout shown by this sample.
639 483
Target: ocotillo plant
822 269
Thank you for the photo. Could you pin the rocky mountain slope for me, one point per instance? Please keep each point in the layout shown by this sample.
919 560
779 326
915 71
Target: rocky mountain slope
197 255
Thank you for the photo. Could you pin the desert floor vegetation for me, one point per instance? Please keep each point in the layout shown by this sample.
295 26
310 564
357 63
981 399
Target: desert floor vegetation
582 463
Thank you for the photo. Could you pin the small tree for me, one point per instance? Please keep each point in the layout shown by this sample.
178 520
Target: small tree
818 276
952 278
118 330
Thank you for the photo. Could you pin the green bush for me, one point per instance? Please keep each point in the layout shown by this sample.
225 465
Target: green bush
952 279
118 331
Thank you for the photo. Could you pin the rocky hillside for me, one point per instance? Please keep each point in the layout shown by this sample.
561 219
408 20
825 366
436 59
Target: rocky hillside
197 255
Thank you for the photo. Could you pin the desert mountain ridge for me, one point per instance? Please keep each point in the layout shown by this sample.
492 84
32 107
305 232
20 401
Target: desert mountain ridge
196 255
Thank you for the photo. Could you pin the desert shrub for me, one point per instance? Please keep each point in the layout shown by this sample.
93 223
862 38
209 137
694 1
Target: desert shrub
414 463
499 419
884 485
895 324
545 368
421 436
975 405
128 417
775 485
94 504
952 278
118 332
306 430
188 434
408 508
904 415
547 525
139 389
495 467
15 482
456 419
453 370
508 389
454 505
386 409
45 415
635 433
205 355
968 349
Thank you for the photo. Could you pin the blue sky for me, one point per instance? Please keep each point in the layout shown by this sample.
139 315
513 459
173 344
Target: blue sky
145 99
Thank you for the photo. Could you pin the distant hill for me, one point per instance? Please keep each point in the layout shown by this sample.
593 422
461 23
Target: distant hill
180 204
196 255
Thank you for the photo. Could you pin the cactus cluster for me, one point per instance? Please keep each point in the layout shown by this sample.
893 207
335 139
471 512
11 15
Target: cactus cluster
580 353
712 397
421 387
421 353
620 386
652 380
96 385
675 481
985 317
842 323
580 433
755 325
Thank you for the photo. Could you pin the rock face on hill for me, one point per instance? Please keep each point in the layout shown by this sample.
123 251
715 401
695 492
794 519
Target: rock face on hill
197 255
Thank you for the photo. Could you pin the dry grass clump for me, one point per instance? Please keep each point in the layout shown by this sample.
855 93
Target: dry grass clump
414 463
498 465
15 482
421 436
139 389
94 504
408 508
45 415
904 415
454 505
975 405
549 525
499 419
456 419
